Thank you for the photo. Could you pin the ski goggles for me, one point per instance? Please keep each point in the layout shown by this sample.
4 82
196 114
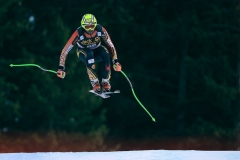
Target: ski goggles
90 26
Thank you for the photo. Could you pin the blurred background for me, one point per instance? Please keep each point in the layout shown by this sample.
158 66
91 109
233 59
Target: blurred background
182 57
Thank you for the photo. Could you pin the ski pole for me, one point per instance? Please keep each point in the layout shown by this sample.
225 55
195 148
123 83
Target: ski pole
153 119
31 65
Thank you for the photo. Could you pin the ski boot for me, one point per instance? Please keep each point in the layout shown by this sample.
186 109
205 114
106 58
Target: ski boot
106 87
96 86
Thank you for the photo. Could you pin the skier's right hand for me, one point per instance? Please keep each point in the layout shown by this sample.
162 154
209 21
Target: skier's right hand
60 72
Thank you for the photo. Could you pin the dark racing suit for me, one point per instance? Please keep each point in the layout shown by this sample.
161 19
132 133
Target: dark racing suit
90 50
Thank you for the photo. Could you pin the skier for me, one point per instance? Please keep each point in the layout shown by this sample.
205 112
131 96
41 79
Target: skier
88 38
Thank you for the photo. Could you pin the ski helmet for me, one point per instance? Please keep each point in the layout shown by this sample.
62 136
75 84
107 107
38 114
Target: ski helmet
89 22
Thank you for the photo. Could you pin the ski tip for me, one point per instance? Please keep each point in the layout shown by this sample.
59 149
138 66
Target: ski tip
117 91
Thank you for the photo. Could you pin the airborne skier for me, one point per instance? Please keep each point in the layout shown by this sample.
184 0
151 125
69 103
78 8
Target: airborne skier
88 38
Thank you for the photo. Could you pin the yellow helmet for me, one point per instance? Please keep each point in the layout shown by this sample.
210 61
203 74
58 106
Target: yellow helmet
89 22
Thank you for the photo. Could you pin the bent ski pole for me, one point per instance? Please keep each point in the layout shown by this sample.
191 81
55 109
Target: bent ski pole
153 119
31 65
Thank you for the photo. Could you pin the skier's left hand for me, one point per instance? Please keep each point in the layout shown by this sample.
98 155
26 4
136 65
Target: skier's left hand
116 65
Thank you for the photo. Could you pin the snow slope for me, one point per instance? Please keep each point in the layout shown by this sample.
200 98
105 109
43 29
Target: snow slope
126 155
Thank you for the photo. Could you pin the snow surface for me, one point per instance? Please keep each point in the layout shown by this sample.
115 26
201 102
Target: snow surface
126 155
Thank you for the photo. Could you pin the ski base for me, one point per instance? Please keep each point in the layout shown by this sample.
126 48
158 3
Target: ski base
104 94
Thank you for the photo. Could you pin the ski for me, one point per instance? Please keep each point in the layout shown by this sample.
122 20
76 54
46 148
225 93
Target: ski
104 94
116 91
100 95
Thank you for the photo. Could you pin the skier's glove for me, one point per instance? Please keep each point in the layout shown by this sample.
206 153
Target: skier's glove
60 72
116 65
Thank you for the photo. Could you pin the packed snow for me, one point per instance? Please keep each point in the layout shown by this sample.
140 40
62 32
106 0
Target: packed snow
126 155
